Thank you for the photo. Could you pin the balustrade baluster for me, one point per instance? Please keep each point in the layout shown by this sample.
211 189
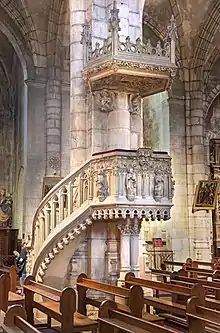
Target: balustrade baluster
70 198
41 231
145 186
37 236
61 200
151 185
47 221
139 185
53 213
90 179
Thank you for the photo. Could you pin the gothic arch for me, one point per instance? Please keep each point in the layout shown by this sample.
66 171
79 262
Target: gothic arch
25 58
22 22
54 26
210 100
203 42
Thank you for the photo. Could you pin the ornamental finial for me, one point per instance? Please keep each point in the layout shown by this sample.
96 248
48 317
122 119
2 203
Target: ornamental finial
114 18
86 35
172 29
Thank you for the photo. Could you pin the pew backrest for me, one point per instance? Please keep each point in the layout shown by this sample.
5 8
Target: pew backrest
31 286
15 318
134 295
200 316
4 291
110 316
12 271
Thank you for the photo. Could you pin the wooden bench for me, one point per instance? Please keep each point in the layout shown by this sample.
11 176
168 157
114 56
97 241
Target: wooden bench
112 320
59 305
193 263
14 321
172 307
12 271
7 297
200 317
134 297
181 278
192 267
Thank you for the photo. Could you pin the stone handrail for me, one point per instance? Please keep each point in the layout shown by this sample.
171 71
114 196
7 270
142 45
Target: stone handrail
59 196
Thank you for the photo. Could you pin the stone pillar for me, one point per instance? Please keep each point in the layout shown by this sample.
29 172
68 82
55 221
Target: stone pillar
35 151
199 223
119 124
112 253
96 250
134 248
53 127
125 249
78 107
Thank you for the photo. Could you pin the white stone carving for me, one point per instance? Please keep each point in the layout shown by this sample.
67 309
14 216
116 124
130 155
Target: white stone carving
158 187
131 185
134 104
105 100
102 186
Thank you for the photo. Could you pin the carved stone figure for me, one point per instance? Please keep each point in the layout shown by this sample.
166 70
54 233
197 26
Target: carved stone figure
158 187
134 104
5 209
105 100
130 184
102 186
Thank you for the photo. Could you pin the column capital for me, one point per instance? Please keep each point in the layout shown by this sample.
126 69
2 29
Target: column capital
129 229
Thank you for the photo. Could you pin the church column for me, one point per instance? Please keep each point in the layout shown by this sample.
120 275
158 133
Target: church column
112 253
53 124
77 93
199 223
134 247
119 124
34 148
125 249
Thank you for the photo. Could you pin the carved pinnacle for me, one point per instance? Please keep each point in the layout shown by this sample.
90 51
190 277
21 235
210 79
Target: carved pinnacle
114 18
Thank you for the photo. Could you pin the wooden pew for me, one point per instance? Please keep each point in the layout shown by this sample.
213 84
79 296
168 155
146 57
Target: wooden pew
14 321
201 318
193 268
112 320
60 305
165 275
181 278
134 297
12 271
7 297
170 306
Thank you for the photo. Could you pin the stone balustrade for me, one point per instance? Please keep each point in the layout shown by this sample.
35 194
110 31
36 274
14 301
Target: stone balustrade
112 185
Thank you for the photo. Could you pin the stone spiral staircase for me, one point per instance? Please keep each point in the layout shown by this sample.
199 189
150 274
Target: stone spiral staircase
111 186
